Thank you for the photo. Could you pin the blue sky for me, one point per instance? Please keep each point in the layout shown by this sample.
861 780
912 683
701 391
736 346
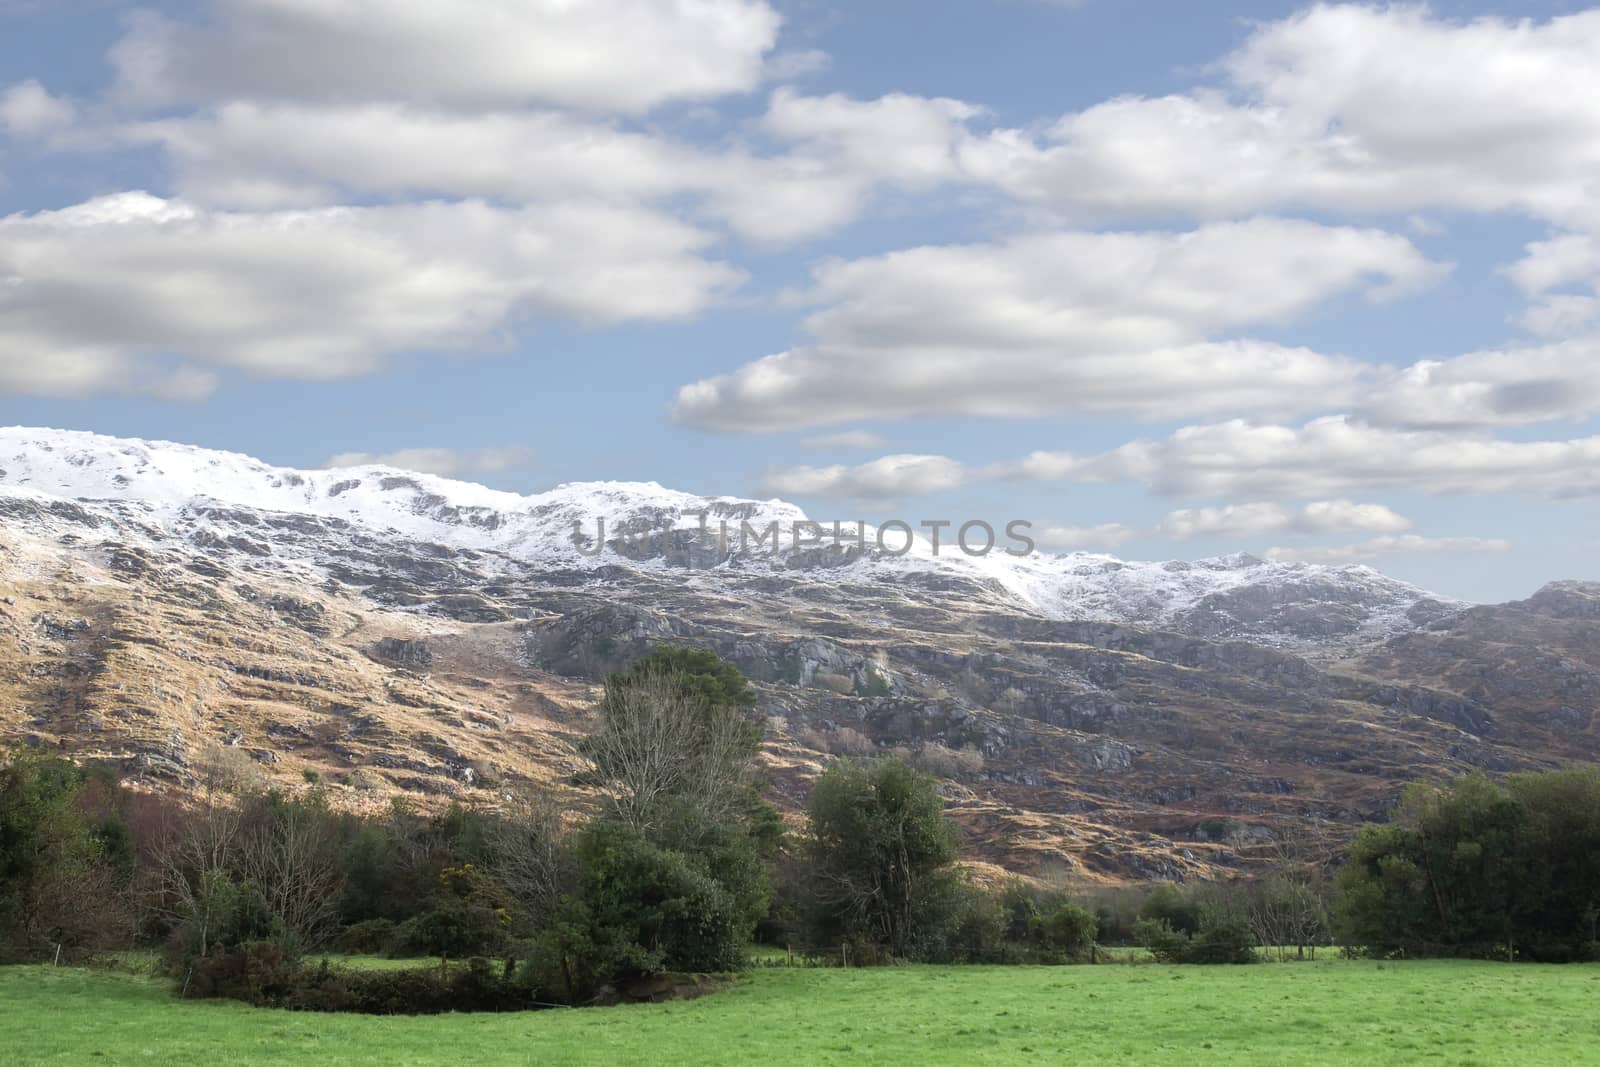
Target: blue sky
1167 279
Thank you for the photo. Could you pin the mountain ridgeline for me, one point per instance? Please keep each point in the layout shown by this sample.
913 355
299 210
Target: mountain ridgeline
166 610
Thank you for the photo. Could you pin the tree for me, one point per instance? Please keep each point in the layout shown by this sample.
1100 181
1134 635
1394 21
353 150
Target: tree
1443 877
674 750
1168 904
288 853
1558 862
193 885
879 840
674 872
1289 907
66 858
531 857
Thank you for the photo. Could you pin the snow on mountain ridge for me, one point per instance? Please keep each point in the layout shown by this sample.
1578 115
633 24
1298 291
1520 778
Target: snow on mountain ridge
189 490
169 478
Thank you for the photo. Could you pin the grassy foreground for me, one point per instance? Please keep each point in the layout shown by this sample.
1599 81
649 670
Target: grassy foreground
1324 1012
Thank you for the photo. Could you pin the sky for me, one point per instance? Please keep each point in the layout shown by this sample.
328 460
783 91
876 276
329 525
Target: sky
1166 279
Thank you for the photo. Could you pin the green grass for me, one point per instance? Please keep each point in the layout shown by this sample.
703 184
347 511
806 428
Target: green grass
383 963
1324 1012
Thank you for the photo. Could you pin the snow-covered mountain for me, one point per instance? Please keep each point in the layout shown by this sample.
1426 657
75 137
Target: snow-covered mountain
401 635
230 504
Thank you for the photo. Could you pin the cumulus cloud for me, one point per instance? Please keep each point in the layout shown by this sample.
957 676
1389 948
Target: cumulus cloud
445 462
108 286
886 478
248 154
1255 520
600 55
912 140
73 372
1502 387
1342 107
28 110
1066 538
1549 272
1102 324
1378 547
1320 460
1327 457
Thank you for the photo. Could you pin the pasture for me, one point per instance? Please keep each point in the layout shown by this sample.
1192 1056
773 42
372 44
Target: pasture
1329 1011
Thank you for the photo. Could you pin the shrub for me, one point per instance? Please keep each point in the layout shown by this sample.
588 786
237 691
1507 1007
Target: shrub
663 901
261 973
257 972
1167 904
375 937
452 927
1228 941
1068 930
1165 944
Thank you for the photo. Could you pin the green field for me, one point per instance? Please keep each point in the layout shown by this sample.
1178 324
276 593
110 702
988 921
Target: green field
1324 1012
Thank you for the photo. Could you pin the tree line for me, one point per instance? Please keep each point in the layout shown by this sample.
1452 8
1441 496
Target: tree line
685 863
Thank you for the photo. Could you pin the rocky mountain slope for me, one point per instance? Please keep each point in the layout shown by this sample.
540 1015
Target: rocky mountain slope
170 609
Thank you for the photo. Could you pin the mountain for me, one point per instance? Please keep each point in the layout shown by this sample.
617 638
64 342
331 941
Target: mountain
170 492
167 609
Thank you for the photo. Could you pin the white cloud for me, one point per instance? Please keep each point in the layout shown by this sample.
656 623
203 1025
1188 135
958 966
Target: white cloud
847 439
72 372
108 286
28 110
445 462
908 139
886 478
1321 460
1106 535
1549 267
1101 324
1327 457
1341 107
1378 547
1255 520
599 55
268 155
1504 387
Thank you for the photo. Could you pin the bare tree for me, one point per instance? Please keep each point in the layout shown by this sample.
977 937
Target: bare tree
664 747
289 854
193 882
531 859
1289 908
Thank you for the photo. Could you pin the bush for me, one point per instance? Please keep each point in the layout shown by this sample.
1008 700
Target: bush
452 927
375 937
1167 904
1165 944
1480 868
263 974
1068 930
257 972
665 902
1228 941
